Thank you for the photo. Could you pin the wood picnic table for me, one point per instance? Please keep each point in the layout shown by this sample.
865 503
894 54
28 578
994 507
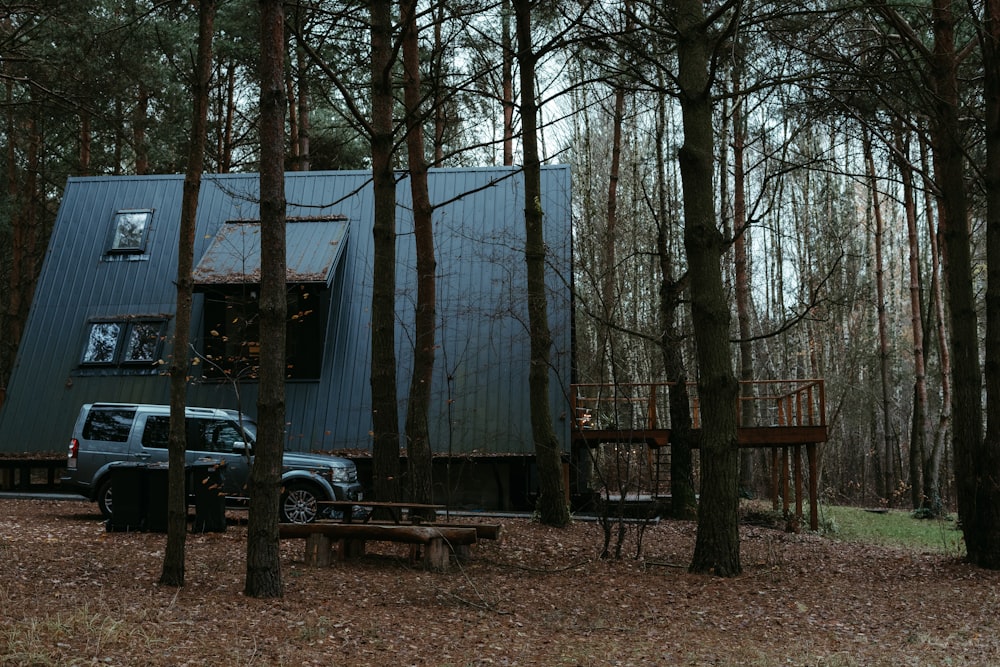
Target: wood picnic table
395 510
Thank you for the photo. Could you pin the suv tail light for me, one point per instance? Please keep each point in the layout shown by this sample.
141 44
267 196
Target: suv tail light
74 451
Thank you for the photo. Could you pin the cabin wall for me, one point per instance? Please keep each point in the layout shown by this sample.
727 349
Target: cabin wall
480 389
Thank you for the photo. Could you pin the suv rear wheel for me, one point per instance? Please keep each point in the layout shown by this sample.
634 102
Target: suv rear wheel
104 498
299 503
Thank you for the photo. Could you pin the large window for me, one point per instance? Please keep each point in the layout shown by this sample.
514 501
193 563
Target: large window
203 434
124 342
232 333
129 231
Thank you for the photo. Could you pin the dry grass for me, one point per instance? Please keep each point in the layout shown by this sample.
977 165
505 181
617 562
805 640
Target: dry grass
73 594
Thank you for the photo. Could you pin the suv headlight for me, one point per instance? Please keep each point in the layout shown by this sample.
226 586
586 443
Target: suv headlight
342 475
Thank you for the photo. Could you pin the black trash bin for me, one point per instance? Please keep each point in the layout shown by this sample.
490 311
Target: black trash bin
157 489
128 496
204 480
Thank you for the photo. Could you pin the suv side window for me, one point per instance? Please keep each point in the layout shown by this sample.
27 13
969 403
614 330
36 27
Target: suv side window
157 432
203 435
213 435
108 424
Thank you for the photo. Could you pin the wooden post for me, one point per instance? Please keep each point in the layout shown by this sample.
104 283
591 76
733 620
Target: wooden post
318 548
813 486
774 479
784 481
437 555
797 453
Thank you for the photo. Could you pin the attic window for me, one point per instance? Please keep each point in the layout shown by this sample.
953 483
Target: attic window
124 342
131 227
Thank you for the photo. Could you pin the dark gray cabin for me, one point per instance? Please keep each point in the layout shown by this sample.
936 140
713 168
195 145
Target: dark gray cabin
101 323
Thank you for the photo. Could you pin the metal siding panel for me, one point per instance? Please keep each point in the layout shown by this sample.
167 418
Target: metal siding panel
480 392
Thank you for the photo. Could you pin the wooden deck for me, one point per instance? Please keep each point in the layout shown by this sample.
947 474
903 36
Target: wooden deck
772 413
781 415
749 436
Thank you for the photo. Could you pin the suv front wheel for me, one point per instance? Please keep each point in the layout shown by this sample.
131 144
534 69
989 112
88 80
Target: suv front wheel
299 503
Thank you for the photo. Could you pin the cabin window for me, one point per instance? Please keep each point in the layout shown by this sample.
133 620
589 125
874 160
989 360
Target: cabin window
129 231
232 333
124 342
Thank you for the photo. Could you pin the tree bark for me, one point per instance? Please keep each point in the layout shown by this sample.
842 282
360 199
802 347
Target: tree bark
717 546
418 445
975 477
552 507
507 82
683 499
932 463
741 270
173 557
385 416
919 424
263 578
984 549
888 482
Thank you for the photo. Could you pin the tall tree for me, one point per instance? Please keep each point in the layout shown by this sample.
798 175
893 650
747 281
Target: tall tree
683 498
919 428
888 430
418 445
173 557
385 418
717 546
986 548
552 507
976 481
263 577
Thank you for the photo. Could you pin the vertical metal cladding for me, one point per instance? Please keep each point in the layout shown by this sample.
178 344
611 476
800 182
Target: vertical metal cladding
480 391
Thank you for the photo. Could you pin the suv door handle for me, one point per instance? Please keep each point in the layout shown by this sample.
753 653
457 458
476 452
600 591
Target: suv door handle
143 455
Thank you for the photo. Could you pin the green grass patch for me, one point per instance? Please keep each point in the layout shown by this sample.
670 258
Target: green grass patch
892 528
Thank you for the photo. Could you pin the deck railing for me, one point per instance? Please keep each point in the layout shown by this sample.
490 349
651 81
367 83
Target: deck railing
646 405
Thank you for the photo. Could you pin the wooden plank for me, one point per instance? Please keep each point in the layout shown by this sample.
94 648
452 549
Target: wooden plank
420 534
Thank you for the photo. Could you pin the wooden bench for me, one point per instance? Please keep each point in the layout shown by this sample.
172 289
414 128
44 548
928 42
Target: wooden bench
16 472
438 542
394 510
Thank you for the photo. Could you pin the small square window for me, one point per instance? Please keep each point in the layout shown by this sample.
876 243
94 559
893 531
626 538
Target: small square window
130 231
102 342
142 343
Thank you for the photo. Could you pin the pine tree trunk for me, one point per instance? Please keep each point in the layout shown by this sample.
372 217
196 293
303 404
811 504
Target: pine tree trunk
717 546
936 313
507 82
985 549
173 557
889 485
263 577
741 269
418 445
683 499
975 475
385 415
919 424
552 506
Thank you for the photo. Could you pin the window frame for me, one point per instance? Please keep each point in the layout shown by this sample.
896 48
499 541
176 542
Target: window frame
139 248
118 357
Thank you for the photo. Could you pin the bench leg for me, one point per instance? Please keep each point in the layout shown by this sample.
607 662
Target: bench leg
318 549
350 548
437 555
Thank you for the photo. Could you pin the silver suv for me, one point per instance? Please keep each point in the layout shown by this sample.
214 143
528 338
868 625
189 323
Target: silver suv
109 433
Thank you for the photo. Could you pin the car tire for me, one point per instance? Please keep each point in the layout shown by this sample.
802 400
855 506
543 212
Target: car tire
104 498
300 503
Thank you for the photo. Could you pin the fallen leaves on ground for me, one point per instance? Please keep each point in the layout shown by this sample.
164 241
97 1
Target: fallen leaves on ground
73 594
